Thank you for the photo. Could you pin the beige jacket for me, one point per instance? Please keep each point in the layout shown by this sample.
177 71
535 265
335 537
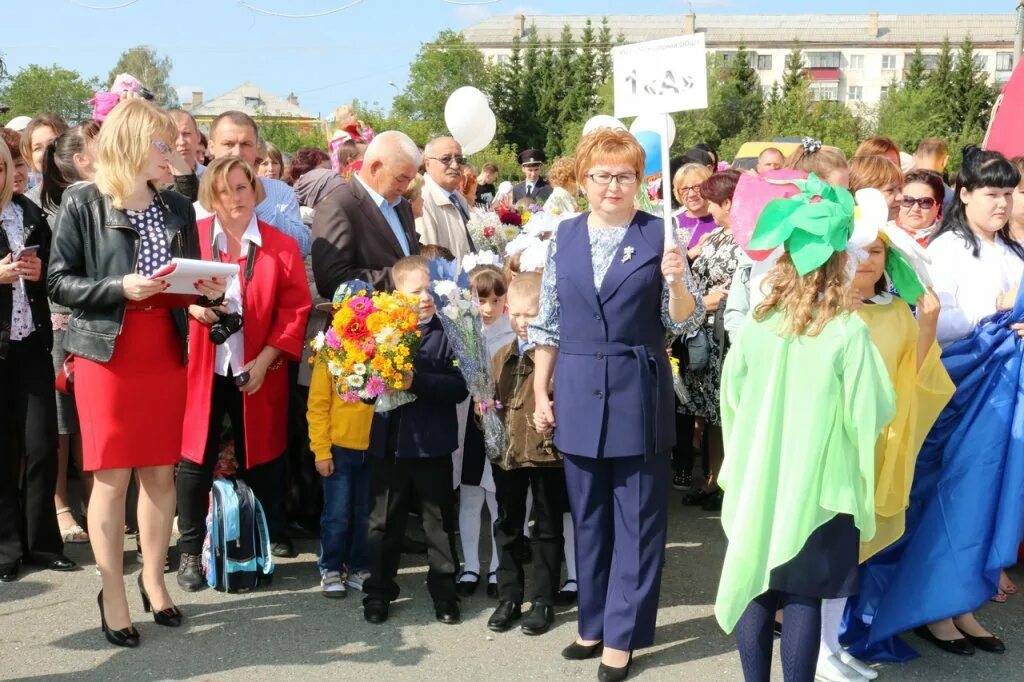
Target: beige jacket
441 223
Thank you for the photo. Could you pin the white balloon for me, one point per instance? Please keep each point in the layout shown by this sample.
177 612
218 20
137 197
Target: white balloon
464 112
655 124
602 121
482 135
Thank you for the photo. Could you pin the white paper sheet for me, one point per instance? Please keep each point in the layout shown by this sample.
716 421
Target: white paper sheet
183 273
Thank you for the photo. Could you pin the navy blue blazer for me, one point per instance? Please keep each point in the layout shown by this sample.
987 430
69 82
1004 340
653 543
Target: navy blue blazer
428 426
613 382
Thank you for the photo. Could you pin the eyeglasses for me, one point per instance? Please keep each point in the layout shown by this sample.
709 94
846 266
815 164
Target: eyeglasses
623 179
926 203
683 191
162 147
447 159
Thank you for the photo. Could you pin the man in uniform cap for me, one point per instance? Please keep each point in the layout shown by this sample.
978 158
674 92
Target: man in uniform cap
534 186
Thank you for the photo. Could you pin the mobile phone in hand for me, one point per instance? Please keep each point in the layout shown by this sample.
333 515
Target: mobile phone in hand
26 251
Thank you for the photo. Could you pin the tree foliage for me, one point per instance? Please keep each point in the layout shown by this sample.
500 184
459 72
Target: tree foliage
153 71
36 89
441 66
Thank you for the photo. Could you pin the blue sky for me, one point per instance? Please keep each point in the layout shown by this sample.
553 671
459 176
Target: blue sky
326 60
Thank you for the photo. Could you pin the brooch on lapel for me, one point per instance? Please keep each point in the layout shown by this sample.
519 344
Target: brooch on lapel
627 253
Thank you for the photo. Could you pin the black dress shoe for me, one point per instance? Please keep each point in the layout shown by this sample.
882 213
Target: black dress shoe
447 612
606 673
960 647
566 597
466 588
538 619
991 644
126 637
492 586
9 572
503 616
580 652
57 562
375 610
190 573
283 549
170 617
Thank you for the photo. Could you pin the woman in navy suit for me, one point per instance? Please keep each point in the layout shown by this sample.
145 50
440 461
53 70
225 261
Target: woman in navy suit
606 317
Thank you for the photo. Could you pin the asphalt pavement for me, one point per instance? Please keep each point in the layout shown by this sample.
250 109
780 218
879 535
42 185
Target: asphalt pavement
49 629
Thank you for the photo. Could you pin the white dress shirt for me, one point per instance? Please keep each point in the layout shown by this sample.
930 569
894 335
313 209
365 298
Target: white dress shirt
967 286
230 355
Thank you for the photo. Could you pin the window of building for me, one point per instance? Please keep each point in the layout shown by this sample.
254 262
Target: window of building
825 92
822 60
981 61
501 59
855 93
764 62
253 102
1004 61
888 62
885 91
930 60
856 61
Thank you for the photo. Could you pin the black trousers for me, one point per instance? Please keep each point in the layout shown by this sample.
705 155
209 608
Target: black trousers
398 486
304 499
550 502
194 480
28 433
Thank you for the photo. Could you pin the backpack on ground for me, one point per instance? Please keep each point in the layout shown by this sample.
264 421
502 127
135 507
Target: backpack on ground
236 552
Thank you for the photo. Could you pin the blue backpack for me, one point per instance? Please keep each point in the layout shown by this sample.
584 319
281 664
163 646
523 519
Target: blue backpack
236 551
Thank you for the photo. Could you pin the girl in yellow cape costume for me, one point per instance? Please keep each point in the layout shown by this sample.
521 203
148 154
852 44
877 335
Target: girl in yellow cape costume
913 359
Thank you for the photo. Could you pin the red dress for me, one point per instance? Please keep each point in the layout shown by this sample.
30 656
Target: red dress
132 407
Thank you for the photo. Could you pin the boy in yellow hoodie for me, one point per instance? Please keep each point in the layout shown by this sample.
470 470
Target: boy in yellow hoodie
339 436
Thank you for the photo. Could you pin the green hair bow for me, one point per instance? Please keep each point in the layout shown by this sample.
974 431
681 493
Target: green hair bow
811 225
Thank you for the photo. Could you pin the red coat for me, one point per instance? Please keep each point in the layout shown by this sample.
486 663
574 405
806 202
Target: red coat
277 305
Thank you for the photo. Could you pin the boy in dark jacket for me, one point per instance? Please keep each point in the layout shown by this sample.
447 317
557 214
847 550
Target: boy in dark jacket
529 462
412 464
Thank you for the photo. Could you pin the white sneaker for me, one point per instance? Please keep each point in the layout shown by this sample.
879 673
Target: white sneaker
332 585
356 580
860 666
831 669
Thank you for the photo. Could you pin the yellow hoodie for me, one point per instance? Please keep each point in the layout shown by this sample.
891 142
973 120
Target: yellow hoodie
332 421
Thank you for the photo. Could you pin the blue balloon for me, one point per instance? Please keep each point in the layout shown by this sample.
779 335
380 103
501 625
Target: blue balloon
651 142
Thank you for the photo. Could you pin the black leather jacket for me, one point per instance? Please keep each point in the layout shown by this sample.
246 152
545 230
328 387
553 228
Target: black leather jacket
37 233
94 247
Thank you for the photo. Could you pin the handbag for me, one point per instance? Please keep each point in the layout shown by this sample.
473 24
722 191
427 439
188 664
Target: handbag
698 351
65 379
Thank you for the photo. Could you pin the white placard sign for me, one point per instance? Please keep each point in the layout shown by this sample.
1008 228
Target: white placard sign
660 76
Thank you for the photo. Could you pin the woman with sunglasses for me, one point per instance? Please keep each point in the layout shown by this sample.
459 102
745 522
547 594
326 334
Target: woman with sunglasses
921 204
110 237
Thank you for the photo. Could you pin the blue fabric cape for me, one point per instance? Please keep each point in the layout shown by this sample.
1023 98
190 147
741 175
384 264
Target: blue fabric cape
966 514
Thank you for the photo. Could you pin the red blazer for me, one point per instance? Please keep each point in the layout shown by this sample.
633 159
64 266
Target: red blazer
277 305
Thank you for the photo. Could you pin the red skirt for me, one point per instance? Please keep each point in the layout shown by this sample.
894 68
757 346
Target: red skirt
131 409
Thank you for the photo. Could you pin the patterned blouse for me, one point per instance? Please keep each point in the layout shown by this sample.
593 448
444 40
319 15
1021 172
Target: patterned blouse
604 244
715 265
13 219
154 251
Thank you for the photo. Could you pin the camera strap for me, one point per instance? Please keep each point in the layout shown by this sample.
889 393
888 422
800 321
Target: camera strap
250 265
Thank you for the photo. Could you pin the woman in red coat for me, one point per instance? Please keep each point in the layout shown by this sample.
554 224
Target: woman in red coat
241 372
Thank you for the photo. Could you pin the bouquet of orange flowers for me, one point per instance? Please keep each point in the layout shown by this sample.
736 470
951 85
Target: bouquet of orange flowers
370 345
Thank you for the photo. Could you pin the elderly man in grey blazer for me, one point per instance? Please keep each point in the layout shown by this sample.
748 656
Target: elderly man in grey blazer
363 227
445 211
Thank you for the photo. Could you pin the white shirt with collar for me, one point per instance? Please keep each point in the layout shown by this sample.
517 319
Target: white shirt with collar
967 286
230 355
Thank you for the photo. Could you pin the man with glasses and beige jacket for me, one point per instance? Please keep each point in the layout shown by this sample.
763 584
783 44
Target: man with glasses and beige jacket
445 211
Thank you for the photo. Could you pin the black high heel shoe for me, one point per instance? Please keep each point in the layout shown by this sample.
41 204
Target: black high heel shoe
128 637
607 673
170 617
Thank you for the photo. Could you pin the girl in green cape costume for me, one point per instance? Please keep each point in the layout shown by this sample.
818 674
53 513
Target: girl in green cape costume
805 395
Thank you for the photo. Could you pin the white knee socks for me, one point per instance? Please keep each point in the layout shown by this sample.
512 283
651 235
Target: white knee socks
569 535
471 503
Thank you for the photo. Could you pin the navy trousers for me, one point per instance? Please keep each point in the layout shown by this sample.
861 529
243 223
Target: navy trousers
619 506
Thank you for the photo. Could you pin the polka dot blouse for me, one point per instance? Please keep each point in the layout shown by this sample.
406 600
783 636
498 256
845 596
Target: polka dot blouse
154 252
